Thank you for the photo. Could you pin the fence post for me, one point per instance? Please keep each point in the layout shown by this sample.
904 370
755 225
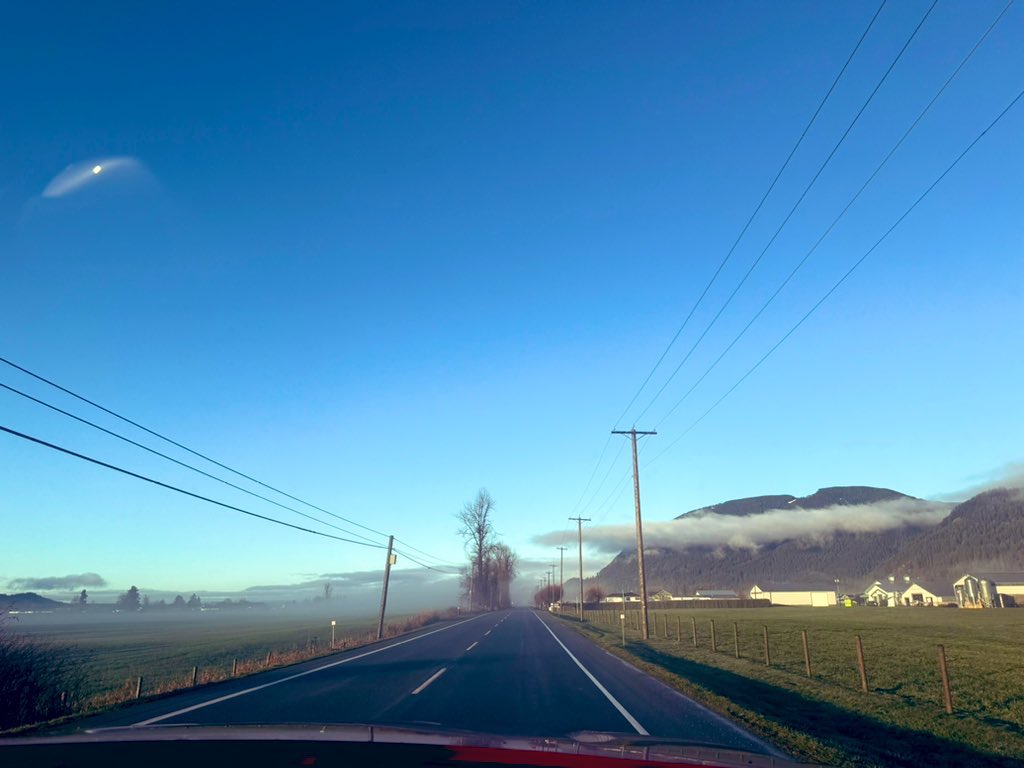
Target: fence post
736 639
679 629
138 687
714 639
195 675
234 667
807 652
860 665
767 649
947 695
269 654
693 625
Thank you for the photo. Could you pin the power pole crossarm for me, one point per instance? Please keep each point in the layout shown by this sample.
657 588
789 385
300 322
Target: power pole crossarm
639 530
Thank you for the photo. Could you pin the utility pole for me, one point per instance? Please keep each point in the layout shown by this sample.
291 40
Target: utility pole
561 574
645 632
579 527
384 593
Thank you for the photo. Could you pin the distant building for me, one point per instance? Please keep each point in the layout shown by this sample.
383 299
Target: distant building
617 597
882 594
716 594
928 593
989 589
816 595
662 595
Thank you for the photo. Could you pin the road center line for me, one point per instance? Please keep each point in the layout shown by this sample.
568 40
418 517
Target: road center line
487 633
615 702
471 647
255 688
431 679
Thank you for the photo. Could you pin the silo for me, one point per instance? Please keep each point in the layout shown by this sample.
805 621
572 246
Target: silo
987 591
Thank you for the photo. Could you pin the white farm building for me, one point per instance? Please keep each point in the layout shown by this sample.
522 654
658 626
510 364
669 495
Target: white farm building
816 595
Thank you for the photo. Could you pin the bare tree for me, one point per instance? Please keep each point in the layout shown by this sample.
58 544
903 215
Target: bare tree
505 569
328 589
594 594
476 529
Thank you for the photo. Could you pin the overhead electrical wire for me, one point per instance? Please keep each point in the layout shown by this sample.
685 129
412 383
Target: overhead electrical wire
792 210
842 213
843 279
185 447
179 463
194 452
200 497
753 214
451 570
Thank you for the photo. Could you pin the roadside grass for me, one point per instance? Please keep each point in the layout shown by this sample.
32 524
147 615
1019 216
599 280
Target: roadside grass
827 718
113 652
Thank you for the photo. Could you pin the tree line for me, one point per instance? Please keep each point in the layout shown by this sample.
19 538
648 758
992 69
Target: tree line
493 566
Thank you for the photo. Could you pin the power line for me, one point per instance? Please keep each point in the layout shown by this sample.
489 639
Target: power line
203 456
604 479
756 210
590 480
407 556
176 461
845 276
842 213
98 462
427 554
792 210
185 447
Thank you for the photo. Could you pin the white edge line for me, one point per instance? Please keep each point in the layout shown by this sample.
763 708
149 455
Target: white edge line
487 633
615 702
255 688
430 679
471 647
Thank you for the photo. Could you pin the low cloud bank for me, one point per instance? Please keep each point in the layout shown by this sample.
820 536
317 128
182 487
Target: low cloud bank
752 531
1009 476
70 581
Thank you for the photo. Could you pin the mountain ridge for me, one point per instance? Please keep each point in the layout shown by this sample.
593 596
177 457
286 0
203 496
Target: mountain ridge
983 532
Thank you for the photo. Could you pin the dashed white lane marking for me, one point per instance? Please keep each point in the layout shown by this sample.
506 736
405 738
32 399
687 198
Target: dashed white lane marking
615 702
430 679
472 646
236 694
487 633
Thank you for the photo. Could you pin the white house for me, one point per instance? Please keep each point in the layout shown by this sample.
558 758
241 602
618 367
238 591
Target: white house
817 595
881 594
928 593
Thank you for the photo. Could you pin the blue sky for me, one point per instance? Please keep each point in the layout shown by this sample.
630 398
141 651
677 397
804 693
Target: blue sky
381 255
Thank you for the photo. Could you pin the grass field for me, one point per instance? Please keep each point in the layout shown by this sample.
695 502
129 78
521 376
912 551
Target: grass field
115 650
827 717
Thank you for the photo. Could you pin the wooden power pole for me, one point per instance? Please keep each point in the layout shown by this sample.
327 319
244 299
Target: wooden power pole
645 631
561 575
384 592
579 526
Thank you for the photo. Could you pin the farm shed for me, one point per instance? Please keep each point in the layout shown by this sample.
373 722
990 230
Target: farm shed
817 595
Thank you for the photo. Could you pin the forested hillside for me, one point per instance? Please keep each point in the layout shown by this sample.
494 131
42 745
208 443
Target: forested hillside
985 532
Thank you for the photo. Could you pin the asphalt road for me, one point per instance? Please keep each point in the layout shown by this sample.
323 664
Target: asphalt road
516 672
